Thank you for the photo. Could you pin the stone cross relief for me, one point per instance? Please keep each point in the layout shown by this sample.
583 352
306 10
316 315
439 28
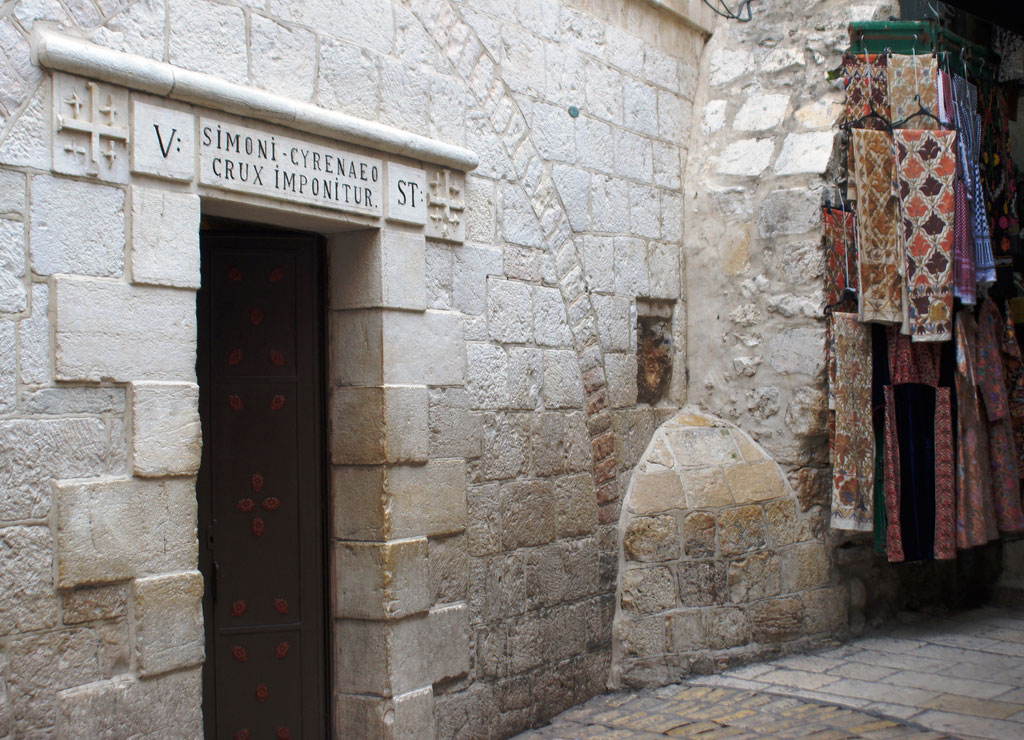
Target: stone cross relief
446 207
92 130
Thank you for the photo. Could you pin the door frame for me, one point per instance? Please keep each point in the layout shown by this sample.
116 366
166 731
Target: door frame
321 613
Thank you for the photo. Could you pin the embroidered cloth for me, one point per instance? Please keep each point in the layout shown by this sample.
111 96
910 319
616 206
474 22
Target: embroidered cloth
965 282
925 172
865 79
997 173
1013 377
975 514
879 259
910 77
1002 448
840 254
853 463
968 122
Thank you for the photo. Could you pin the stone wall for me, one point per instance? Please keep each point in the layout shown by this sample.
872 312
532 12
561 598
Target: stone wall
718 565
510 359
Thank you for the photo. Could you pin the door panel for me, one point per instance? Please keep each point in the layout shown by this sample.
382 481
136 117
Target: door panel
261 487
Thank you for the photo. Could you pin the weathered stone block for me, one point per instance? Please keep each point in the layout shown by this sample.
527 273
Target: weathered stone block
110 530
741 530
357 347
427 499
754 577
449 569
94 342
168 706
797 350
99 602
784 526
509 311
169 622
698 446
283 58
640 638
545 574
357 494
702 583
754 482
8 367
382 580
563 383
527 514
725 628
804 566
705 488
471 267
525 377
13 297
455 431
688 631
210 39
576 505
745 158
34 453
506 445
487 376
406 435
792 211
648 590
167 438
826 610
408 715
27 600
761 112
165 238
699 535
655 491
651 539
93 213
813 487
65 401
805 154
357 426
775 620
423 348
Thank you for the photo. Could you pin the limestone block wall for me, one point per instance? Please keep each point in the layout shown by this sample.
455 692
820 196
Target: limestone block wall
496 376
718 565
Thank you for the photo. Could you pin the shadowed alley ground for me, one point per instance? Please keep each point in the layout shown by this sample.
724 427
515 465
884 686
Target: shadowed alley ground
958 676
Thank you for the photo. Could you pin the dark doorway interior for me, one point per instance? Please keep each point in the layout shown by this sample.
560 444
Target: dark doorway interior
261 484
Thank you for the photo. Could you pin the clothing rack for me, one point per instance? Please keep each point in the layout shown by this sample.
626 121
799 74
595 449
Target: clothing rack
922 37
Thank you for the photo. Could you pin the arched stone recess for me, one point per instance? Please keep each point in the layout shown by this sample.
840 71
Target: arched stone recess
717 567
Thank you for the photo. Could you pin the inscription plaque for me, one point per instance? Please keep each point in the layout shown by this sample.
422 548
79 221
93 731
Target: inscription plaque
235 157
407 194
163 141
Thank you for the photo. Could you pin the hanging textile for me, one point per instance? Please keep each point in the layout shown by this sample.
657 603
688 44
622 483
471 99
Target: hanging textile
877 225
975 515
853 465
968 121
1013 376
964 276
1002 448
1010 48
913 83
840 254
919 466
997 174
925 171
865 80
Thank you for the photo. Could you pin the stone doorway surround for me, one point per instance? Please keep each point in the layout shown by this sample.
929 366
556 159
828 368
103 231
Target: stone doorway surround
137 327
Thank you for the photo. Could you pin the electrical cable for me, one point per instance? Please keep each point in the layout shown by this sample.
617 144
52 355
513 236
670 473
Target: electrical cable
727 12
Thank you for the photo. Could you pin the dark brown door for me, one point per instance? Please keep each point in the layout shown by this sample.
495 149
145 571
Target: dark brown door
260 487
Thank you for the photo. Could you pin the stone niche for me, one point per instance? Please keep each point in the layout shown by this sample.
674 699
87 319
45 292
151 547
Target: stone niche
717 567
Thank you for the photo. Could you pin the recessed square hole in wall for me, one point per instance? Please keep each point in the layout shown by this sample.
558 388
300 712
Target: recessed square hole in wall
653 350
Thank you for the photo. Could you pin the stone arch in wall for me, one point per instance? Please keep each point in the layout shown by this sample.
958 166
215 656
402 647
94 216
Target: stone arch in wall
717 566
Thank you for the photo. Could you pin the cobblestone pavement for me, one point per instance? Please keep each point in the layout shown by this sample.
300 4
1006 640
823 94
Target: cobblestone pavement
960 676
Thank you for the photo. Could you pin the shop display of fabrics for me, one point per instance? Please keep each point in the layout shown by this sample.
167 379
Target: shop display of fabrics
925 372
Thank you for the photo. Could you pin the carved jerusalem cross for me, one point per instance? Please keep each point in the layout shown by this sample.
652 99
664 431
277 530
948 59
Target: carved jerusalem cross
97 130
445 206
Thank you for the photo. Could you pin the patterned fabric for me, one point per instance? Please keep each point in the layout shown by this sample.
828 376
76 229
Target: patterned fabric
965 280
912 362
925 168
1002 448
853 464
912 77
1013 377
893 530
945 112
1010 48
968 123
840 254
997 173
877 225
975 515
865 80
945 477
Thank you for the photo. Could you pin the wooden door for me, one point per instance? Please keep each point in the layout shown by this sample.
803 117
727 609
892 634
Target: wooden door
261 487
